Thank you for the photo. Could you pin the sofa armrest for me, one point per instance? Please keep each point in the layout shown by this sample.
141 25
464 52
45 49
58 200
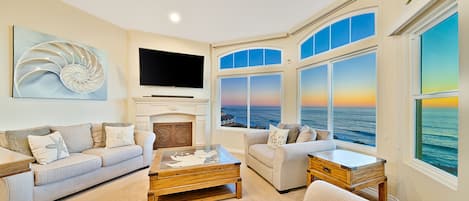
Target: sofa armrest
255 137
291 162
321 190
18 187
145 139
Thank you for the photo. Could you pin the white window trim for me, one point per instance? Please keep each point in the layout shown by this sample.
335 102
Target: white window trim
248 99
330 23
250 67
425 24
330 116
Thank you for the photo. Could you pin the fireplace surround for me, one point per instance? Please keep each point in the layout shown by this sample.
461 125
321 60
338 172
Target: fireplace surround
150 110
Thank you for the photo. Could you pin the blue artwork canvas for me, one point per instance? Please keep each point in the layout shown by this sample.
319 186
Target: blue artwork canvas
46 66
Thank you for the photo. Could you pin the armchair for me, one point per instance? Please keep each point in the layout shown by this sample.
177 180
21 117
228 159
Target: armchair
285 166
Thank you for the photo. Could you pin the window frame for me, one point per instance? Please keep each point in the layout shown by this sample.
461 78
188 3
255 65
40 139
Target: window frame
428 22
330 110
249 67
330 23
248 99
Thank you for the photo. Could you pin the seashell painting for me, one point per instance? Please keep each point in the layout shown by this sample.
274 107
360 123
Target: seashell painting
46 66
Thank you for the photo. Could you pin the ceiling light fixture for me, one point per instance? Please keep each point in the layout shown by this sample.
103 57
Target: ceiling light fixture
174 17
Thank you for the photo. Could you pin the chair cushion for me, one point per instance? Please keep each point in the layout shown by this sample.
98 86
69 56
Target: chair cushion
74 165
111 156
263 153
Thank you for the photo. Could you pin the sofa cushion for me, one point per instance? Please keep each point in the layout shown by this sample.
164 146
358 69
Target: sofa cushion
77 137
76 164
18 139
111 156
263 153
3 140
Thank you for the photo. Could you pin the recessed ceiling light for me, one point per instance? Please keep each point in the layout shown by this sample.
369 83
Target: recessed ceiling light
174 17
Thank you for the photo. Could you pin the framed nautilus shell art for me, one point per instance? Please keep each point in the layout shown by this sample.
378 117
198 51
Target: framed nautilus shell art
46 66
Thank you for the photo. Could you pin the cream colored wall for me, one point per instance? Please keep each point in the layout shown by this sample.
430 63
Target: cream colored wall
393 100
137 39
56 18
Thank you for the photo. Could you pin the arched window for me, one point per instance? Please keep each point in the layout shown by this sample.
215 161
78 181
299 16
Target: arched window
251 58
338 34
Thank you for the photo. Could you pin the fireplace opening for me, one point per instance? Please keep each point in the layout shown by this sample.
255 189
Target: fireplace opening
172 134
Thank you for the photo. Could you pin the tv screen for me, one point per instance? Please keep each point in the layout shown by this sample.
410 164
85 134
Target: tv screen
160 68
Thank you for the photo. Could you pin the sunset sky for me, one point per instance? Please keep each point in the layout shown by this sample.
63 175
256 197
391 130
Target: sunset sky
314 86
440 61
354 83
265 91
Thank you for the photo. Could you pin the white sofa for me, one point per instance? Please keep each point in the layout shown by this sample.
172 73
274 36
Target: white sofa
284 167
79 171
323 191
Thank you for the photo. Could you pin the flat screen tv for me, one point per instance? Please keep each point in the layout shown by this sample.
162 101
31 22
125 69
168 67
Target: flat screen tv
161 68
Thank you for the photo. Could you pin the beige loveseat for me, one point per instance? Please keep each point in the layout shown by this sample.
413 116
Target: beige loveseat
285 166
79 171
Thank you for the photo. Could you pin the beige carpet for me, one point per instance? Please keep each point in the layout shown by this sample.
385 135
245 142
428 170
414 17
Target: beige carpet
133 187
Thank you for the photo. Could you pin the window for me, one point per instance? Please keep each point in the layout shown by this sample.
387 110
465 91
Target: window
251 58
436 94
314 97
341 96
338 34
354 95
252 101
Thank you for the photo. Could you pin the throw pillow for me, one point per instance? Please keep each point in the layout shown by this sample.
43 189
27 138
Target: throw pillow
324 135
48 148
293 133
103 130
119 136
77 137
97 134
306 134
277 136
18 139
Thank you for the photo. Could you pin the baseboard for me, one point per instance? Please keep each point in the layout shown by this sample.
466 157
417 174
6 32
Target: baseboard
235 151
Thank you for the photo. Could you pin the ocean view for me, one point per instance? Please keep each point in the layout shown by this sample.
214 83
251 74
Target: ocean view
440 128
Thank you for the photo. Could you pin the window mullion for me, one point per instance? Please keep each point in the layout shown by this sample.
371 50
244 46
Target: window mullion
330 115
248 97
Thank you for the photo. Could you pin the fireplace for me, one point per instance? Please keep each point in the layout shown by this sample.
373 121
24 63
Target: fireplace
172 134
152 110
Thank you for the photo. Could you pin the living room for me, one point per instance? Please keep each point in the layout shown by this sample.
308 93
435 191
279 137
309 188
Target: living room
392 92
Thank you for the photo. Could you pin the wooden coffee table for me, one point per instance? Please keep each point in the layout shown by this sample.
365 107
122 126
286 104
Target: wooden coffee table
194 173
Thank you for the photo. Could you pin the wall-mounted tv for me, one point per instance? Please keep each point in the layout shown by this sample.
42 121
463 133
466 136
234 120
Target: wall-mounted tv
161 68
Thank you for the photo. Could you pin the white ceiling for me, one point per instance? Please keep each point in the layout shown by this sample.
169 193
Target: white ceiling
205 20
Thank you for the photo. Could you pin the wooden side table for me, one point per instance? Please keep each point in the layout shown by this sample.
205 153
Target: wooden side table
349 170
13 163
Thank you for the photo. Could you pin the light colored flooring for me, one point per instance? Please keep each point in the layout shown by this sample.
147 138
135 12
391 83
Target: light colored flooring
134 187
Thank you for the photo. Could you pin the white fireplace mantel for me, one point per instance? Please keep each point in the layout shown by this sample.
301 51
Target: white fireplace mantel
149 110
